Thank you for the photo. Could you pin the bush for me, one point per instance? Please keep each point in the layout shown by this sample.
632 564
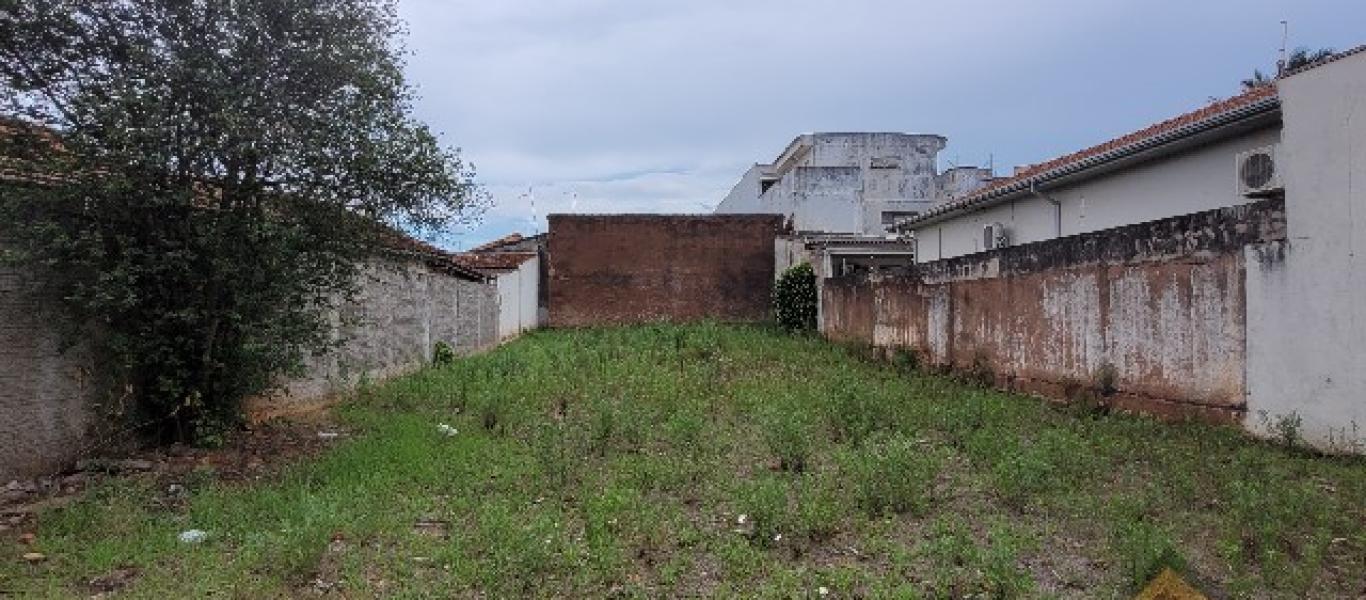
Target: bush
794 298
1144 550
443 354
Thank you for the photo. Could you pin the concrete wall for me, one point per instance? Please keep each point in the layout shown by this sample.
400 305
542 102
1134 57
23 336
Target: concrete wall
1189 182
1160 302
608 269
402 310
518 294
52 404
1306 297
48 394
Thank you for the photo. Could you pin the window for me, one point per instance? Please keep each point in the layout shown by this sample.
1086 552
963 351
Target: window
890 217
884 162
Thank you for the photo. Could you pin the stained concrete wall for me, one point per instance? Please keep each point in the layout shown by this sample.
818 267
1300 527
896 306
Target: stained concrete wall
611 269
401 311
1307 297
1160 302
48 393
52 401
1196 180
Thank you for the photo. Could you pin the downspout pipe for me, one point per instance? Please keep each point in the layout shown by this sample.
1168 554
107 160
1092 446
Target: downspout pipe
1057 208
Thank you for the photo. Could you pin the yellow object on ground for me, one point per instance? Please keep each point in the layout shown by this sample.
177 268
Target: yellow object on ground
1169 586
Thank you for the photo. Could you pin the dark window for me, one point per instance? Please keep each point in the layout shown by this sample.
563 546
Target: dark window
890 216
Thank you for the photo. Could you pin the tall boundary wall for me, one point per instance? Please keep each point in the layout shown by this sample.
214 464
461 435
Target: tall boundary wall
55 408
1158 308
618 269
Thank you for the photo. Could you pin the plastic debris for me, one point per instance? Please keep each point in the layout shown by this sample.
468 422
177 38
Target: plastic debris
35 557
446 430
824 591
193 536
742 519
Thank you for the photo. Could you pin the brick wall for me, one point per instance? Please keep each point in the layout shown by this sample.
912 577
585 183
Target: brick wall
612 269
1162 303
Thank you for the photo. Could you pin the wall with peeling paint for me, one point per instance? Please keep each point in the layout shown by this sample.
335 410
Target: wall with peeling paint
1162 303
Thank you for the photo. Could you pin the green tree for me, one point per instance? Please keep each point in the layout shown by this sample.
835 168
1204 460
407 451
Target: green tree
794 298
1298 58
199 181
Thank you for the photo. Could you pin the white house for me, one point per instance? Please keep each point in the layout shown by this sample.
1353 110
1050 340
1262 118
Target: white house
854 183
1183 165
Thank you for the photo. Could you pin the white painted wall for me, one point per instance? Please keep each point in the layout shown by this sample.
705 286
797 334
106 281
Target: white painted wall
517 306
1306 301
842 182
1193 181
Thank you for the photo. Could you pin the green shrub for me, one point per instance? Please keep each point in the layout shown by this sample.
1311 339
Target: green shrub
443 354
1144 550
894 474
794 298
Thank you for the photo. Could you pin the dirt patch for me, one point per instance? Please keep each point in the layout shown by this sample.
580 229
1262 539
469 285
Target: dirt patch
112 582
257 452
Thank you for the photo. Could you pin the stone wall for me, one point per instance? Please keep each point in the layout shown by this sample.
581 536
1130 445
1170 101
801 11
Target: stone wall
1161 305
611 269
51 401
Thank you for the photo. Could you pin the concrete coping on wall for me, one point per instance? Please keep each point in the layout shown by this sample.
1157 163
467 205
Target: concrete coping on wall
1199 236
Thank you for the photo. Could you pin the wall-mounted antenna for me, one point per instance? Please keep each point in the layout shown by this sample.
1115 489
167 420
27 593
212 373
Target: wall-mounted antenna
1285 37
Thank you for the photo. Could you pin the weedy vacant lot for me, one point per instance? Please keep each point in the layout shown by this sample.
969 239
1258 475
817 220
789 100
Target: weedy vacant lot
712 460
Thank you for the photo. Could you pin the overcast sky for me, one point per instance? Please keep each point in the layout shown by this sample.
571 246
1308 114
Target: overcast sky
643 106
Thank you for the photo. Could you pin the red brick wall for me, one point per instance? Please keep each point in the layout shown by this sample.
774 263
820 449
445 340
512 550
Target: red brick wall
614 269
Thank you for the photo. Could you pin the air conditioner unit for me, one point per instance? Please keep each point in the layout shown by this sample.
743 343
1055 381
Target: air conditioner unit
1258 174
994 237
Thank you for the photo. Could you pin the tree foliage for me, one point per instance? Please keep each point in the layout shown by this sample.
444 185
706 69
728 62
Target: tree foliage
199 181
1299 57
794 298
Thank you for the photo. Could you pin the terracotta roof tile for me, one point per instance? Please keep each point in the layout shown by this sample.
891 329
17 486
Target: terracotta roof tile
1147 134
495 261
511 238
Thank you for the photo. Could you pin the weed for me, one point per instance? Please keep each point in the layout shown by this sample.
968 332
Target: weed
1105 381
891 475
443 354
787 432
764 504
1144 550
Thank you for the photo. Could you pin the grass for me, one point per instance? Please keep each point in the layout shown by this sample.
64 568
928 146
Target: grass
728 461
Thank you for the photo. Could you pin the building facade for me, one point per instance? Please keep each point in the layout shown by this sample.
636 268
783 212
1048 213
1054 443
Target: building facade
853 183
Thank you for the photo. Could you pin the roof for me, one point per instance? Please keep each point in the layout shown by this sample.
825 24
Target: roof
398 242
1249 104
493 261
511 238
